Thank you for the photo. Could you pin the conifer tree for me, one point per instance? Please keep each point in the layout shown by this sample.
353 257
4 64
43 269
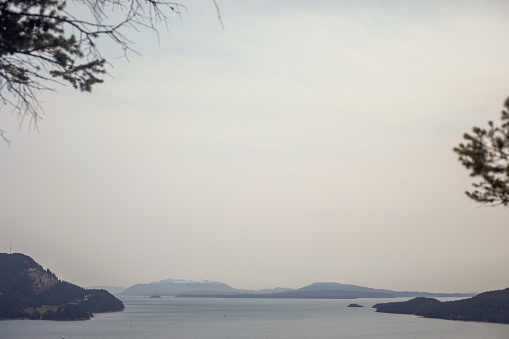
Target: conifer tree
486 155
43 44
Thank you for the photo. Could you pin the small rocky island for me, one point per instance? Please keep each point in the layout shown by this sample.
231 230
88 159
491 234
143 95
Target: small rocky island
155 296
28 291
355 305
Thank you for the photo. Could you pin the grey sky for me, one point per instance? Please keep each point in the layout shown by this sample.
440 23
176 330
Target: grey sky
309 141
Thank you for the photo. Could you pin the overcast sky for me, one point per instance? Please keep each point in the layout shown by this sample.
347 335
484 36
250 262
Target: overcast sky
308 141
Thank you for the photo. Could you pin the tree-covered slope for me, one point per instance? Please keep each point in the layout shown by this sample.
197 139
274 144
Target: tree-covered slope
487 307
29 291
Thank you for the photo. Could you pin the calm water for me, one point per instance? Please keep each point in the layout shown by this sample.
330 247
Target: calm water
146 318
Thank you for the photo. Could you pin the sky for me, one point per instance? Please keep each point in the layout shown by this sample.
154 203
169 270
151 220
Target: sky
308 141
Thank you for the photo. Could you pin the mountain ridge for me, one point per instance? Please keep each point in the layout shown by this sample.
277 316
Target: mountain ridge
319 290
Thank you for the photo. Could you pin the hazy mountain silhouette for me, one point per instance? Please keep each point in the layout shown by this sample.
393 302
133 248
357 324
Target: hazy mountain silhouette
319 290
172 287
169 287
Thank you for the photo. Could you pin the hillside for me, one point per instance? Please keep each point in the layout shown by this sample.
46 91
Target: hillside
486 307
112 289
28 291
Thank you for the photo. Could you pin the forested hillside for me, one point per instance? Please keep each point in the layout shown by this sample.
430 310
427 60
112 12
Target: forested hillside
487 307
27 291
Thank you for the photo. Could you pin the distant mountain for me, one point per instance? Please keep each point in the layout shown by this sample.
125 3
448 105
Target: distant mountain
487 307
195 288
178 286
274 290
333 286
324 290
28 291
319 290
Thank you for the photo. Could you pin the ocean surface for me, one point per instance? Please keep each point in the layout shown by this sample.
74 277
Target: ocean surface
169 317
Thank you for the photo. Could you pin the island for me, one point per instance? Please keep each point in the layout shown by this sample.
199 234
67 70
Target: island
492 306
155 296
28 291
182 288
355 305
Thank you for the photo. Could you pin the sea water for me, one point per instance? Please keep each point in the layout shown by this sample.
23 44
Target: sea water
169 317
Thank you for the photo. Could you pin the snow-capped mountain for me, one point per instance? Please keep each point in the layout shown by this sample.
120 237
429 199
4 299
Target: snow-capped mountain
184 281
177 286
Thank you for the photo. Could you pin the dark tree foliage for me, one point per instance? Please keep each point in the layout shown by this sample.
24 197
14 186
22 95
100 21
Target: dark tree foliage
67 312
102 301
35 315
412 306
486 155
42 43
14 286
12 264
61 293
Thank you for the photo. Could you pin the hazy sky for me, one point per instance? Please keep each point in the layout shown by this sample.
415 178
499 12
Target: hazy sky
308 141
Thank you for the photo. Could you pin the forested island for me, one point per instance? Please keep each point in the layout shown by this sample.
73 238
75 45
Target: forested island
28 291
490 306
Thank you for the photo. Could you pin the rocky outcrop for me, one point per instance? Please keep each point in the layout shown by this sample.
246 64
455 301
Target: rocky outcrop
42 280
